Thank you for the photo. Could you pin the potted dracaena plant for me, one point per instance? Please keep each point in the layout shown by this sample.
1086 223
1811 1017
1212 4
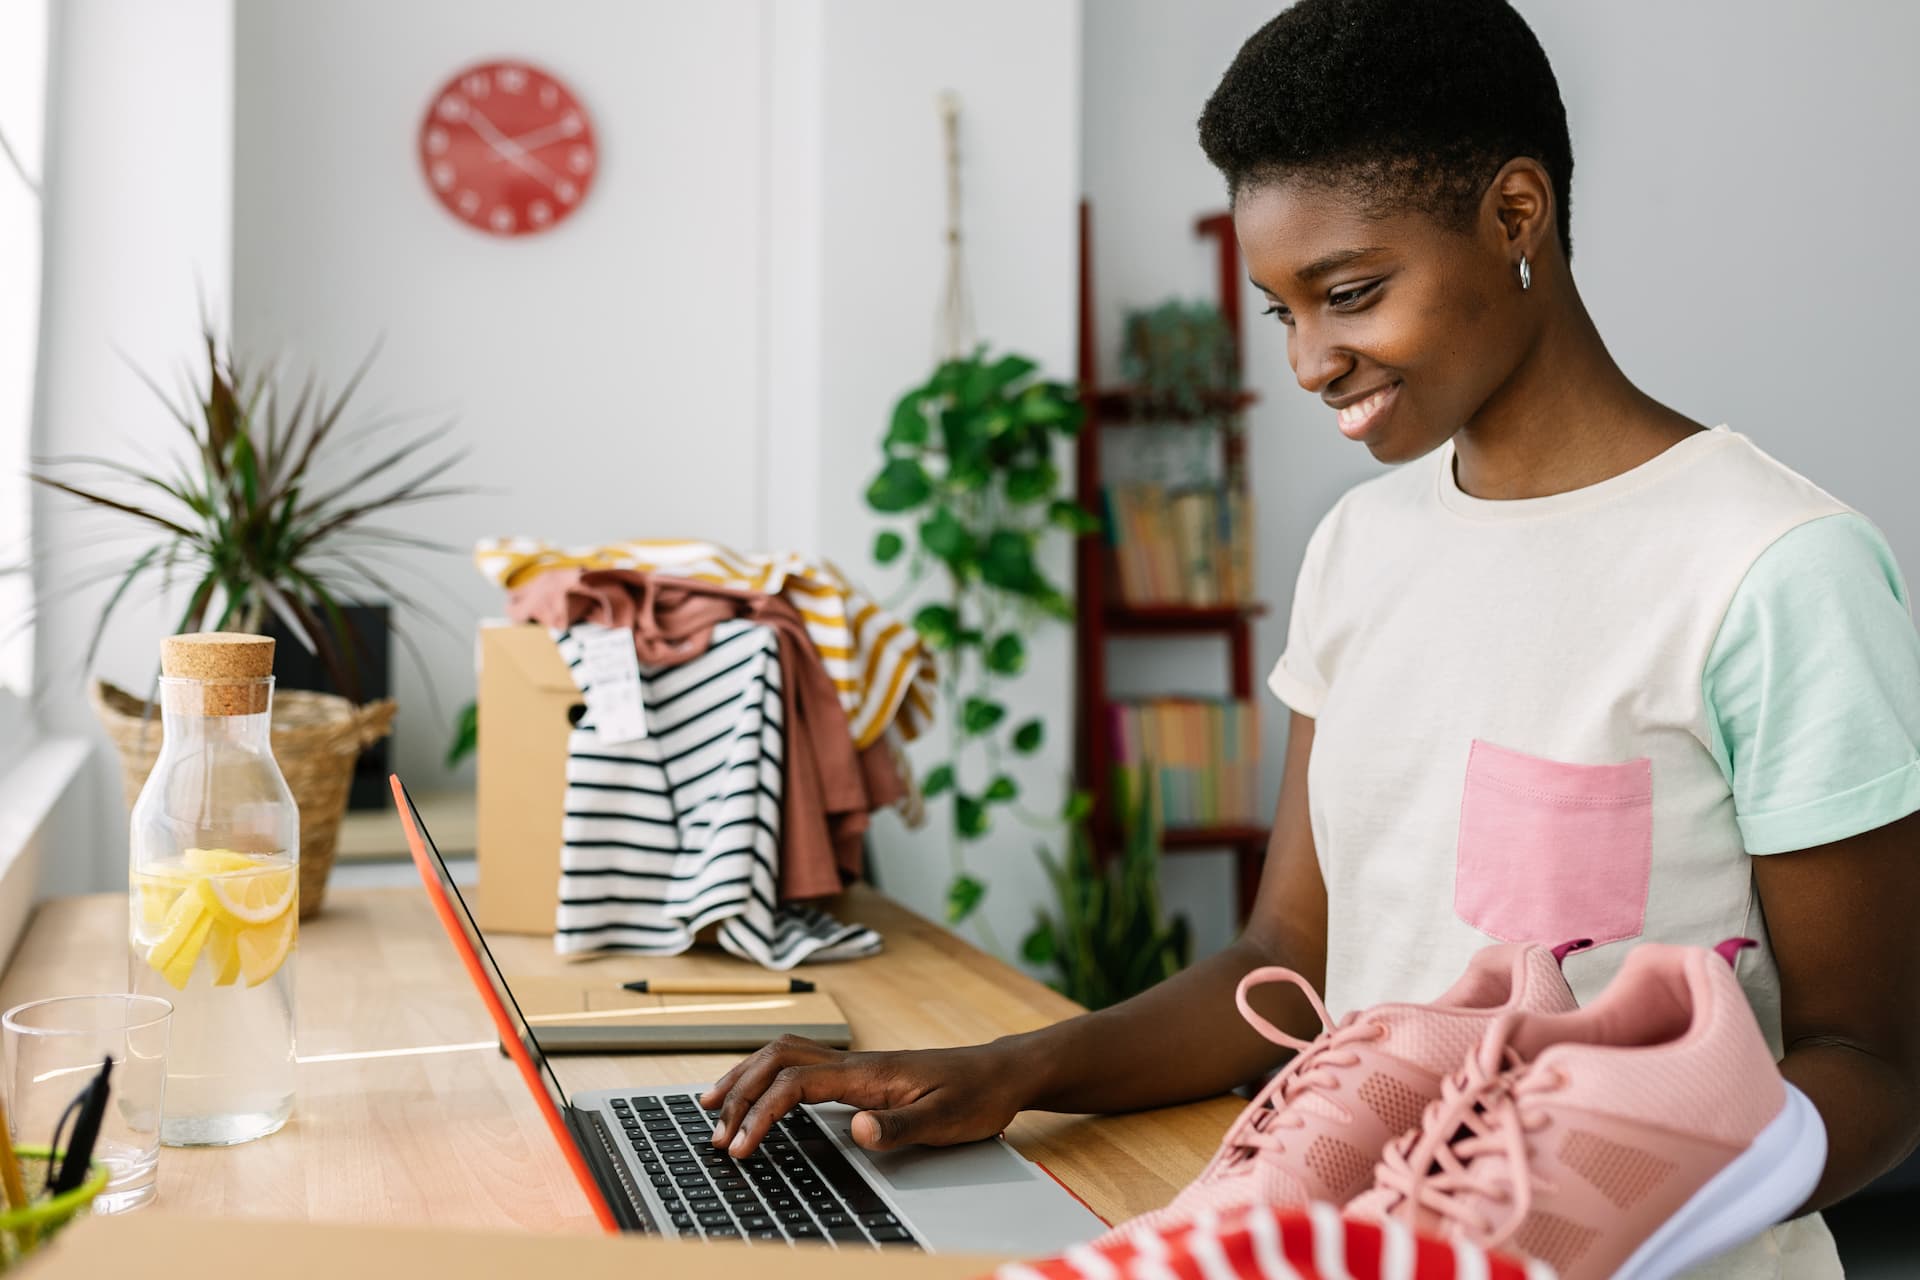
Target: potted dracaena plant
266 512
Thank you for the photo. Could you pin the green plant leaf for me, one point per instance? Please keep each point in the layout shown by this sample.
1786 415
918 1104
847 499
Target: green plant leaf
963 897
466 734
978 715
1008 562
1009 369
938 782
1039 947
1044 405
938 625
887 546
947 538
1032 483
1071 516
909 426
901 486
1027 738
1007 656
1002 789
1078 808
969 816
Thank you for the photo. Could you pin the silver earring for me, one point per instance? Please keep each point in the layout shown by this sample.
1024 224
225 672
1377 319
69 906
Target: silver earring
1526 273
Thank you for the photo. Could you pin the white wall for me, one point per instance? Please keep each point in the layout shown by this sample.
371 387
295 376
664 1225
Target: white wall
1727 177
1015 66
138 209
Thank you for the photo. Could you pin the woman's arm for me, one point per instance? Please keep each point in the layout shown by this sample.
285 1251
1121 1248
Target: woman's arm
1842 921
1181 1040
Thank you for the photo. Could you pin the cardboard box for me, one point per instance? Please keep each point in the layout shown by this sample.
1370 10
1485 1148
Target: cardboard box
157 1246
526 693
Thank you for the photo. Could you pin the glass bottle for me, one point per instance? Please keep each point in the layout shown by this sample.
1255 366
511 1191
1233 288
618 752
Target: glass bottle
214 901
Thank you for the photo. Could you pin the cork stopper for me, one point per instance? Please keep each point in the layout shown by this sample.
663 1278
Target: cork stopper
232 669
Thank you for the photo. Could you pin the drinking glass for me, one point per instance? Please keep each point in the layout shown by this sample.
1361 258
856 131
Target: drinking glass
54 1047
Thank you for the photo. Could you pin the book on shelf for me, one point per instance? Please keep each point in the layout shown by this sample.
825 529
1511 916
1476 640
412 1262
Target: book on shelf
1188 546
1204 753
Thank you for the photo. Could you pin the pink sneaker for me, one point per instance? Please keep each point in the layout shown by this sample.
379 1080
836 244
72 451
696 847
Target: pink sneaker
1316 1129
1632 1139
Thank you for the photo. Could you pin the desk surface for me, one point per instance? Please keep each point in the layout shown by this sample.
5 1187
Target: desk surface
407 1111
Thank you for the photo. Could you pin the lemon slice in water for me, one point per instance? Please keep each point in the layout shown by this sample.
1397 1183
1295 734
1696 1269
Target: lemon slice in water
264 948
214 862
178 948
259 897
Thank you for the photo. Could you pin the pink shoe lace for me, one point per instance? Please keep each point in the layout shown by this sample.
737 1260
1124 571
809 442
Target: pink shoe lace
1471 1150
1315 1069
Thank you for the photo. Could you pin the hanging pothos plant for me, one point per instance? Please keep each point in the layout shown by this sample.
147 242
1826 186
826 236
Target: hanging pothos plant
969 458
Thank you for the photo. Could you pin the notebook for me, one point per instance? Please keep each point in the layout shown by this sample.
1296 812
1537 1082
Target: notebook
569 1015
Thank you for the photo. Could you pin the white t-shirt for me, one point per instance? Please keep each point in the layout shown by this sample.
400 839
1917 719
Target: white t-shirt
1511 738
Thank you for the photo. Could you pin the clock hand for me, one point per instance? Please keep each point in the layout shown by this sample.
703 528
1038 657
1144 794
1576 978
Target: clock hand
537 138
510 152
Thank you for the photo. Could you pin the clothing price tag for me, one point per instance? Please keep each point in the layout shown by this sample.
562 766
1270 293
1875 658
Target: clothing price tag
610 674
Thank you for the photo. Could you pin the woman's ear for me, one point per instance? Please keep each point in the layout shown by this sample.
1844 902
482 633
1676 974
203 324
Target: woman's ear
1519 203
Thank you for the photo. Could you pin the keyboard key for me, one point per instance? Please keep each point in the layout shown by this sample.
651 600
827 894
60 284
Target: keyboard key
886 1234
739 1197
718 1218
846 1235
832 1220
723 1233
807 1232
691 1183
647 1104
728 1182
795 1217
771 1233
881 1219
660 1179
681 1222
756 1221
782 1203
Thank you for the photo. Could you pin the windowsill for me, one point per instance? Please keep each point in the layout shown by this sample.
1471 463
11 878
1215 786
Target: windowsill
30 789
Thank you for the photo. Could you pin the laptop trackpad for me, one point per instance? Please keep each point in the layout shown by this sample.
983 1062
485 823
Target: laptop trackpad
977 1164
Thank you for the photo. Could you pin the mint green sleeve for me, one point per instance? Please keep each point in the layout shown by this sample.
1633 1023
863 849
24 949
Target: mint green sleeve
1812 689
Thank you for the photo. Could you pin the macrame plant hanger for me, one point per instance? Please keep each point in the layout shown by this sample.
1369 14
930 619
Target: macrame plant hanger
953 324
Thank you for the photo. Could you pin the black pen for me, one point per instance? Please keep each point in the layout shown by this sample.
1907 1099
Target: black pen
745 986
92 1102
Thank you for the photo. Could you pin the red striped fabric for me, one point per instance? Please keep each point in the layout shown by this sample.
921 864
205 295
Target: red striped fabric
1271 1244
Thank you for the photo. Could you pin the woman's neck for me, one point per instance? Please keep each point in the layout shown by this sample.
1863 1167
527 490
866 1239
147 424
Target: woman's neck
1567 418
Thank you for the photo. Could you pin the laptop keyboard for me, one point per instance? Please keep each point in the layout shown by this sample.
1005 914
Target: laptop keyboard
797 1186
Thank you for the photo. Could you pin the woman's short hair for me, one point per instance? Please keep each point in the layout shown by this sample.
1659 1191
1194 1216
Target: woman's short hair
1406 104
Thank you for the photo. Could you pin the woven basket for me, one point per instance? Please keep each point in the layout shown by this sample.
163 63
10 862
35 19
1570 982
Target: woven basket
317 737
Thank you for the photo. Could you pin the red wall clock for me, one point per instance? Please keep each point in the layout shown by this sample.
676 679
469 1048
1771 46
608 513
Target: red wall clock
507 148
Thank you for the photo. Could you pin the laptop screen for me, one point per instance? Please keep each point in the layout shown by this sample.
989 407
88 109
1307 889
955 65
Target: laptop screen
464 918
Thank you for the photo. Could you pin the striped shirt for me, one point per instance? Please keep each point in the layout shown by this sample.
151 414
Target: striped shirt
669 833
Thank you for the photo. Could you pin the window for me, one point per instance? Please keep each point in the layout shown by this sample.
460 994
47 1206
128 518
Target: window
23 80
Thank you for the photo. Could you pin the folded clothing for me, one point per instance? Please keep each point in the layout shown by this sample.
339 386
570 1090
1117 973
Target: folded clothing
882 672
830 785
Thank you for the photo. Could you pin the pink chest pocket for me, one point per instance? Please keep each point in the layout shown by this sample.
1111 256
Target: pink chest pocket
1550 851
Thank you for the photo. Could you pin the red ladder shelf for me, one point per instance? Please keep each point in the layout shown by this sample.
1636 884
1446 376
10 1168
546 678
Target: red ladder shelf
1102 615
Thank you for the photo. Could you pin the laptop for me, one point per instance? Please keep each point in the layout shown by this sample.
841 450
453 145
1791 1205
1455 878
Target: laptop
645 1159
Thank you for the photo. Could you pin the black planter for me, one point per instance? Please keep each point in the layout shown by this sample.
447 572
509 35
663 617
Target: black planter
366 675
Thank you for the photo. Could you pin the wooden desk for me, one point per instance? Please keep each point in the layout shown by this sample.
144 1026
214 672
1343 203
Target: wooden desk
407 1111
